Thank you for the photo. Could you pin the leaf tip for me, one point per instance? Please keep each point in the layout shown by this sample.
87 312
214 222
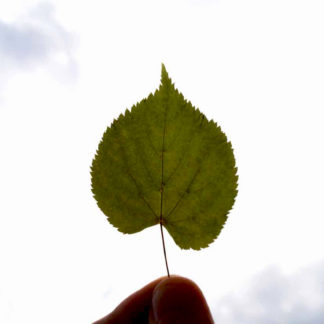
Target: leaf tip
163 69
164 75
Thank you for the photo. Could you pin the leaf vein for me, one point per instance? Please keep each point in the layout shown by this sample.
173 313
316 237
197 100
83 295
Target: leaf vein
183 156
181 197
134 180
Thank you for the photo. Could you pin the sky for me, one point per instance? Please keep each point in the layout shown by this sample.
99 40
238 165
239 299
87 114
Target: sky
68 68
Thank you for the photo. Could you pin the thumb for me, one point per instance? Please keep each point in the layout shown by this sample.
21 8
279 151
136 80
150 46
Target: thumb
179 300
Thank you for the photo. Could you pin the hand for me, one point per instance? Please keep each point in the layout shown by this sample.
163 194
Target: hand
174 300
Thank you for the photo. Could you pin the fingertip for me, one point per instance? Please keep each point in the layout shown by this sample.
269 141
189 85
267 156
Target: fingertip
179 300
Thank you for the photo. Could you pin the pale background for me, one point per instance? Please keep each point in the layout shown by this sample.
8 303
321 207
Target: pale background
68 68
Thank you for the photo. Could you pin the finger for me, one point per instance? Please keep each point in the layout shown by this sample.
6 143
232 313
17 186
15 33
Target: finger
179 300
133 308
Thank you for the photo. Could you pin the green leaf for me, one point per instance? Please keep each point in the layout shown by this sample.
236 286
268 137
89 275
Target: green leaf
163 161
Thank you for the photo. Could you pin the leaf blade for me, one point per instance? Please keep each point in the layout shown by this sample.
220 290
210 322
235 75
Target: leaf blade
165 162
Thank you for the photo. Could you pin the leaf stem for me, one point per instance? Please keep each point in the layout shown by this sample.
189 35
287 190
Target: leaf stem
164 251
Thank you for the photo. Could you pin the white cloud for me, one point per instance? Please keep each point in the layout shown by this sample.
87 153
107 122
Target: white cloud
274 298
36 40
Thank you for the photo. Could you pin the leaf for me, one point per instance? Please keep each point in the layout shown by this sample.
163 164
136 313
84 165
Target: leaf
163 161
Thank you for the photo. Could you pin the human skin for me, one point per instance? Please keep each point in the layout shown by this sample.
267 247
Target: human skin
174 300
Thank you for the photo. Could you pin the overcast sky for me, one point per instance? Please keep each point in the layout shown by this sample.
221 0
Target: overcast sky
68 68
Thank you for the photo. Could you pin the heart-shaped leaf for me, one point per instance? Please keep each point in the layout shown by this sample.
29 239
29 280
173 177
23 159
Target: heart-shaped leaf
164 162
